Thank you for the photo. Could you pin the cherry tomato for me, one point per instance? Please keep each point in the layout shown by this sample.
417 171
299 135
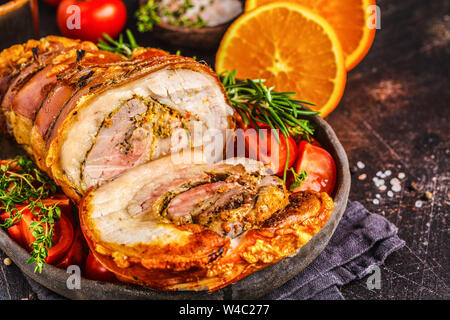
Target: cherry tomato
52 2
62 236
263 146
95 271
319 166
15 231
87 20
76 253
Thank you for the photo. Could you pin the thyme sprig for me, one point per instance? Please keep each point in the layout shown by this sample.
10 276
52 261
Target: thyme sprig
256 103
23 187
43 231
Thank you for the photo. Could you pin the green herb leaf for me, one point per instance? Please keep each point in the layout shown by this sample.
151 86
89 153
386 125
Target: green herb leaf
119 47
299 178
147 16
24 186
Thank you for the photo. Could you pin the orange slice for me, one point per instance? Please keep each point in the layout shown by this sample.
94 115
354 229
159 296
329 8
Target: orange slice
348 18
292 48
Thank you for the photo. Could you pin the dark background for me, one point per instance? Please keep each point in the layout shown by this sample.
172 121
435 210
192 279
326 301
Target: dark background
394 115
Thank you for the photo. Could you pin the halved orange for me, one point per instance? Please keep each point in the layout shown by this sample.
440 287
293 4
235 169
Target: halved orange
292 48
348 18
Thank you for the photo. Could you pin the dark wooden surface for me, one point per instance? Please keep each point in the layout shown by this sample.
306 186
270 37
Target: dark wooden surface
394 115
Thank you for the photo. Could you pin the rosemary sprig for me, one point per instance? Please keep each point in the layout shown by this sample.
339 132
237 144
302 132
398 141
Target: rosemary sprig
24 186
119 46
256 103
123 48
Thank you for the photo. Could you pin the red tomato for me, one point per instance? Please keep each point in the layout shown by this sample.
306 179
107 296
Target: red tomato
87 20
95 271
76 253
263 146
15 231
319 166
62 237
52 2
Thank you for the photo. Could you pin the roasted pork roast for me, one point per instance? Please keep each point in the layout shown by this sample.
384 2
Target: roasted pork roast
119 136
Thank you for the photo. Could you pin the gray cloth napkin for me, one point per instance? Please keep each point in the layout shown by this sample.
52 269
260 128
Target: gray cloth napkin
361 240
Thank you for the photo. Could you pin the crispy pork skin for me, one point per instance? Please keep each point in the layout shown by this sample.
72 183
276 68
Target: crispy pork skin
196 225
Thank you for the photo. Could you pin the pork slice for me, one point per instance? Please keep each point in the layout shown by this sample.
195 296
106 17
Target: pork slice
120 144
182 207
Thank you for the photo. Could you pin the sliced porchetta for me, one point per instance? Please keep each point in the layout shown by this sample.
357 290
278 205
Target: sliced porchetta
133 113
180 223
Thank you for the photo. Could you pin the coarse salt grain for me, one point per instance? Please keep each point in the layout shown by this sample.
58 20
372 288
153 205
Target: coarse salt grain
360 165
387 173
401 175
394 181
376 201
379 173
382 188
390 194
396 188
419 203
378 196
